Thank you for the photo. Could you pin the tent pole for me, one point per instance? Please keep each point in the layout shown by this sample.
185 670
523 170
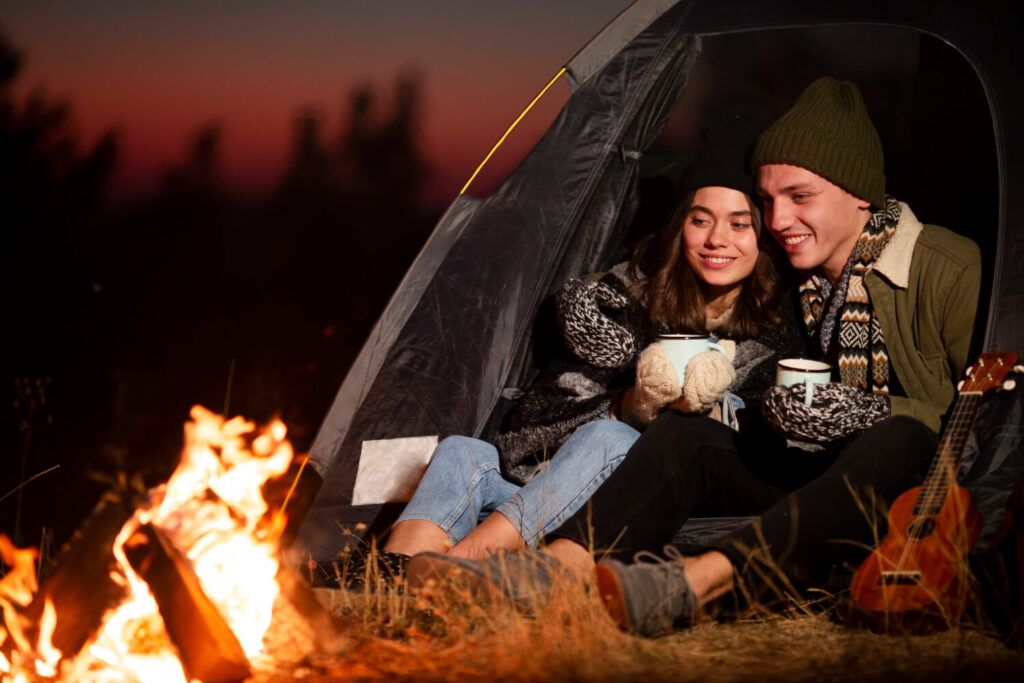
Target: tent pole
510 129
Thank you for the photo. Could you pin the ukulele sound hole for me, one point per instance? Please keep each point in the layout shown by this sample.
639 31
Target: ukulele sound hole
921 528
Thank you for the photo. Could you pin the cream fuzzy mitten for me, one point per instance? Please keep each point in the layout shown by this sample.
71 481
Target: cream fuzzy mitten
708 375
657 384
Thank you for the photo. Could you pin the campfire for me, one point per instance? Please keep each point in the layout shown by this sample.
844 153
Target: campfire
186 584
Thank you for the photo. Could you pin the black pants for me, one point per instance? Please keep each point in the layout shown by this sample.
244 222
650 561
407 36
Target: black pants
814 510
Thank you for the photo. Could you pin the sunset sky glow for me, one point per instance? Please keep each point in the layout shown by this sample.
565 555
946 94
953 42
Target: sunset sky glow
157 71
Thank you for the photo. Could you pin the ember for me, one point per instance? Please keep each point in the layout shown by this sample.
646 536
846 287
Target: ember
197 566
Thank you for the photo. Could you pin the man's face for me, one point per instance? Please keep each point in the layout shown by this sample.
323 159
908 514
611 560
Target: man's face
816 222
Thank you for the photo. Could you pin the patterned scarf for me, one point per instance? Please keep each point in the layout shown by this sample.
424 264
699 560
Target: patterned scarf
862 356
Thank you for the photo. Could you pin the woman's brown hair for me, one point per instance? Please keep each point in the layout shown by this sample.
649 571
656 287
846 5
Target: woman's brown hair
674 296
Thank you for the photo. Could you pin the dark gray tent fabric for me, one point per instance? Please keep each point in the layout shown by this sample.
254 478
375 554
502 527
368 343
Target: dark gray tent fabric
994 457
374 354
617 35
456 334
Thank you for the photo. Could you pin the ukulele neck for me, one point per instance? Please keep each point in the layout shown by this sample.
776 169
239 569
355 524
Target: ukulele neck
947 459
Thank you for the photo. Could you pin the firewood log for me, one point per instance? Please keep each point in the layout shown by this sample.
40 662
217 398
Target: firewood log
208 649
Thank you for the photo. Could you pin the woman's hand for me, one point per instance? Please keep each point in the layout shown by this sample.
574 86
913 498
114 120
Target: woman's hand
657 385
588 330
708 374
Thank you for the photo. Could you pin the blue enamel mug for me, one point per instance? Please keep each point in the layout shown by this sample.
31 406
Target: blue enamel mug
682 347
792 371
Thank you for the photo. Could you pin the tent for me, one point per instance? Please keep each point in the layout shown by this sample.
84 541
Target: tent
457 338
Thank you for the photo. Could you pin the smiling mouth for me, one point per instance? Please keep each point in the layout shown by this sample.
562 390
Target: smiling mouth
718 261
794 240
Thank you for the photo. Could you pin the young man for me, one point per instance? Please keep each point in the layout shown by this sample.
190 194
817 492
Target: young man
889 302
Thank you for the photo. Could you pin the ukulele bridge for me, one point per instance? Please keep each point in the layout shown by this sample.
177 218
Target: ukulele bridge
900 578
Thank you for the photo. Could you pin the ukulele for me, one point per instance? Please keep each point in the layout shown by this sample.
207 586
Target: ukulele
920 569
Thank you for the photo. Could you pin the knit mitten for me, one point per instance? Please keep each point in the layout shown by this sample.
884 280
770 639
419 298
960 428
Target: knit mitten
657 385
836 411
708 375
588 331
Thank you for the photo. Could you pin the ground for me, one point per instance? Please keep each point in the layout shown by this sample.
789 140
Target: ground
451 636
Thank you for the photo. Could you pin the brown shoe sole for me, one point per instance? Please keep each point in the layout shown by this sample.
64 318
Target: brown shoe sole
610 590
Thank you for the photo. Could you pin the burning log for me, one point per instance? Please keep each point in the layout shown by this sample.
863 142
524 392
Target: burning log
82 586
208 649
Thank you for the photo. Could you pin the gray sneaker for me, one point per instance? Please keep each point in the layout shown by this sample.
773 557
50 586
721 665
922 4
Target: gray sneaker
523 577
648 599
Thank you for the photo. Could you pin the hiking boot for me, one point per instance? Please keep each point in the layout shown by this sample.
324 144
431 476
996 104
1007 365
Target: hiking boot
523 577
647 599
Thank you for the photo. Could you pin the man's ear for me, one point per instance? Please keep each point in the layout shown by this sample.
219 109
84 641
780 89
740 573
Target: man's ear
863 204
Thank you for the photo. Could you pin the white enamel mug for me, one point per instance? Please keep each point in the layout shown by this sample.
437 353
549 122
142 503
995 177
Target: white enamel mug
682 347
791 371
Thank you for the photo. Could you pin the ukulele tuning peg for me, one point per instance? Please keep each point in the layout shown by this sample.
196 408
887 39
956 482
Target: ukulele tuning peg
960 385
1009 385
1018 369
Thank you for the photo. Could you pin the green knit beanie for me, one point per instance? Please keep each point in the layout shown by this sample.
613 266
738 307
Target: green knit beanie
828 131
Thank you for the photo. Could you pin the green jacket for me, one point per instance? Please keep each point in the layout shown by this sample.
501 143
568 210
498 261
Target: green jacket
924 288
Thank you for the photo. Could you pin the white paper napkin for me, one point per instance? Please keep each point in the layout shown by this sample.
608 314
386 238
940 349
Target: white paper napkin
390 469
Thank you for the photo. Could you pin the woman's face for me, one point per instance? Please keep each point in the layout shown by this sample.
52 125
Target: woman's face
719 239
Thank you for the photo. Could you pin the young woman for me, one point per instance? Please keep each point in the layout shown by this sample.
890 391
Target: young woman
709 270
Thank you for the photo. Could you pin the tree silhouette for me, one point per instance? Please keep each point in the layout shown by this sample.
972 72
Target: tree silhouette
138 310
199 268
310 174
198 178
346 220
52 196
379 151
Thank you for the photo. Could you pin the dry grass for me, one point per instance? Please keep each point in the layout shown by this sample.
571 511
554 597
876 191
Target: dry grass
444 634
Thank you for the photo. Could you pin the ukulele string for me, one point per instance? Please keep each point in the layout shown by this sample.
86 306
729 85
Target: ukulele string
940 474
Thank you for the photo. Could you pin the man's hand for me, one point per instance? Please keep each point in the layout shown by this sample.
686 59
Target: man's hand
837 411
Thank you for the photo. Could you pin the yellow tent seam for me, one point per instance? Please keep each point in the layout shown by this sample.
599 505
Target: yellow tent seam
509 131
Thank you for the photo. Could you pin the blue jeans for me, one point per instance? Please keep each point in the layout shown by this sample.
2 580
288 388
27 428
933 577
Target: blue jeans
463 483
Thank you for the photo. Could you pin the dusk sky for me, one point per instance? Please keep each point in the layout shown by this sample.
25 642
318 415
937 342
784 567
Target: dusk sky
157 71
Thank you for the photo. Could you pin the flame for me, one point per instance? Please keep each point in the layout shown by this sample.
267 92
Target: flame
17 589
221 536
19 584
212 509
49 656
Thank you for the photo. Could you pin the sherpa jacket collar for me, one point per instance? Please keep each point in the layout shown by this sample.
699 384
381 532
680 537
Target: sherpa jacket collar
894 261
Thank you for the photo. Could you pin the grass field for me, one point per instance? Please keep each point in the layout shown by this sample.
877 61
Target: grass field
444 634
